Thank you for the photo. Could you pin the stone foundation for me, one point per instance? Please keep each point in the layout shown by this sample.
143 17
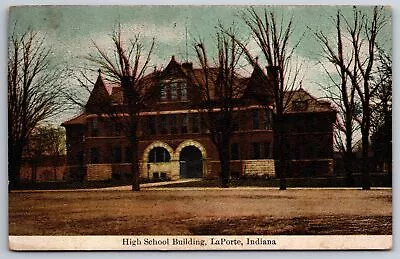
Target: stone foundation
99 172
262 167
169 170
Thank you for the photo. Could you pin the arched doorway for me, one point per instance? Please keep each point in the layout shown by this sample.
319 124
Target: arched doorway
191 162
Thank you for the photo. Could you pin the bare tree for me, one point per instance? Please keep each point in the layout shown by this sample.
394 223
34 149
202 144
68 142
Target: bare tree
381 120
220 89
273 37
382 97
342 93
362 31
127 66
34 94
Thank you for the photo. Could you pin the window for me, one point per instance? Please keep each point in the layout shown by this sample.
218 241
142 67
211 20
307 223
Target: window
184 125
173 123
184 91
235 154
128 155
299 105
268 120
94 155
195 123
255 150
95 127
235 122
261 150
267 150
117 129
163 92
204 128
159 154
163 124
151 121
117 158
174 92
255 118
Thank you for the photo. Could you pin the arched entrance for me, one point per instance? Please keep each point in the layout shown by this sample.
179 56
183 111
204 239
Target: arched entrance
191 162
157 161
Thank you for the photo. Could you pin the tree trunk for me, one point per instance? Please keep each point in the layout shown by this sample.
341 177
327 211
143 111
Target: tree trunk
279 152
135 164
34 170
366 181
224 158
282 164
348 167
14 165
348 153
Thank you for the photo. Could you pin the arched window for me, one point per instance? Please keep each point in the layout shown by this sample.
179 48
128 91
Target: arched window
159 154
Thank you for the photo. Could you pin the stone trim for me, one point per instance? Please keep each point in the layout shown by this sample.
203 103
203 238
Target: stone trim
187 143
157 144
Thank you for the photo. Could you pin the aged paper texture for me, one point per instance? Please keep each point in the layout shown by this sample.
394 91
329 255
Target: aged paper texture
200 127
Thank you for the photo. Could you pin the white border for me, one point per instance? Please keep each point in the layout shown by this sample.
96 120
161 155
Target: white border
5 253
277 242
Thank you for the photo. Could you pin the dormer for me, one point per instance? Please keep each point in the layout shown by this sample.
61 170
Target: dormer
300 105
173 83
173 70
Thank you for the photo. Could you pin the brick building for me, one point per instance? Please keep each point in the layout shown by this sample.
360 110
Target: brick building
175 143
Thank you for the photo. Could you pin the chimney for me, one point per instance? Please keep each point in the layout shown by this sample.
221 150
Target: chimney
187 65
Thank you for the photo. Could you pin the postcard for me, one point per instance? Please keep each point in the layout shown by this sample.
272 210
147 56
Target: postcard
139 127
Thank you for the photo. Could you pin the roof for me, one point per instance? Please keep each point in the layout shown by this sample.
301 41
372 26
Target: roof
302 102
299 101
99 97
106 91
116 95
78 119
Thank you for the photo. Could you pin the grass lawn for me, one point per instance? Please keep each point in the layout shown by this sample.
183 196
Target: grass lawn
376 181
209 211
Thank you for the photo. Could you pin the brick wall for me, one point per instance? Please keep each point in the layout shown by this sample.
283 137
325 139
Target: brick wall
44 173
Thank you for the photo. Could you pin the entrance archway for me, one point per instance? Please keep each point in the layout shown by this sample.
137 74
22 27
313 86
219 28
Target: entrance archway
190 162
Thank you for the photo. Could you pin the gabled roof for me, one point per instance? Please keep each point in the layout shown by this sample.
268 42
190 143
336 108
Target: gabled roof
106 92
173 69
259 86
116 95
301 102
248 88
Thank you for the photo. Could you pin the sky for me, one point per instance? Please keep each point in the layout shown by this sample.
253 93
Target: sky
71 30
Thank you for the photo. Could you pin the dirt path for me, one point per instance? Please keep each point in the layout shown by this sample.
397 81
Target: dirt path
200 211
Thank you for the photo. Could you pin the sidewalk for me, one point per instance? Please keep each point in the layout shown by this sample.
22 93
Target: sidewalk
150 185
